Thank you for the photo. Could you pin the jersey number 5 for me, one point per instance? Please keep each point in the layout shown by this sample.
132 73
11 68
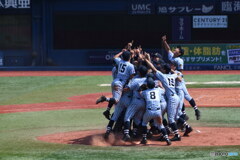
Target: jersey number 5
122 67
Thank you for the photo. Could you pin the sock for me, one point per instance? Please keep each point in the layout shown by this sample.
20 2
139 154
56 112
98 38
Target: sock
164 133
186 125
144 129
183 109
193 104
174 128
111 102
110 124
126 127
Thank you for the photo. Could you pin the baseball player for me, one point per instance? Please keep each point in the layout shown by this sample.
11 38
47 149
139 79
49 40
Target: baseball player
123 103
125 72
137 107
175 58
168 82
153 110
179 90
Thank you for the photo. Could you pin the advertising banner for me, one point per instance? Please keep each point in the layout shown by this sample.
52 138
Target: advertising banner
15 4
192 7
206 53
141 7
213 21
233 56
230 6
181 28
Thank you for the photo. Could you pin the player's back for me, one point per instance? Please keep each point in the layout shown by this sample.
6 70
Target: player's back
152 98
135 85
168 82
125 70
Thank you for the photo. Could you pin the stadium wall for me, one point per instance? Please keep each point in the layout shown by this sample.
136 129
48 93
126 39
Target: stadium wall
85 34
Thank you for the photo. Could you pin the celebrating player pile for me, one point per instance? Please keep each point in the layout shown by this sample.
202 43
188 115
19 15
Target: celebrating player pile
144 88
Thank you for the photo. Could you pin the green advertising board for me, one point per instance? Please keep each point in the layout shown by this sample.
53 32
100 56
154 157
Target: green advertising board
206 53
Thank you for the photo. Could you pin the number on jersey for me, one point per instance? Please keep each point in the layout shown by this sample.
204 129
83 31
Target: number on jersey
122 67
171 82
152 95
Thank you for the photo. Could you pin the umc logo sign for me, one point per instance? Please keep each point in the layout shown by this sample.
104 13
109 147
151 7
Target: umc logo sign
141 8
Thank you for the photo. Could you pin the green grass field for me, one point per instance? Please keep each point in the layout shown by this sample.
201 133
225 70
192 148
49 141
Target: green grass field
18 130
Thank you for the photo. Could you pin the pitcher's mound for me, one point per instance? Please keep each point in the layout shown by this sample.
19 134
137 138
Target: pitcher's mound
201 136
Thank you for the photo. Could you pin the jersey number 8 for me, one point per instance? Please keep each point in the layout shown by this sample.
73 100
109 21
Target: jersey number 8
152 95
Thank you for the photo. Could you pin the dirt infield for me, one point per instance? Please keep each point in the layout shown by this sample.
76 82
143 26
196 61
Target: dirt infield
204 97
215 97
201 136
94 73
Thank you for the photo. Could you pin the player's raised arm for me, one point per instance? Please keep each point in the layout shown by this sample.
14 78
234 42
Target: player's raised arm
151 65
129 45
165 44
118 55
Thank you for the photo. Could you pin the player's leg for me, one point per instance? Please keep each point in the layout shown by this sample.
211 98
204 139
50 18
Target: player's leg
117 112
163 131
184 124
146 118
131 110
125 102
117 93
134 107
137 119
173 102
179 113
191 102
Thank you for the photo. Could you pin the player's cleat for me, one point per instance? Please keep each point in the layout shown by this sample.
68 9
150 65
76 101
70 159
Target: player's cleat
168 141
143 141
197 114
161 138
106 135
126 137
101 99
188 130
107 114
176 138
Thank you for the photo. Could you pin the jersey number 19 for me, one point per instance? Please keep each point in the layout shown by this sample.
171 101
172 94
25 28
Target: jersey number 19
171 82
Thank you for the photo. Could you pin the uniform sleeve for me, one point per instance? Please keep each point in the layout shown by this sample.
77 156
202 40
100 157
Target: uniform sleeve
180 64
160 75
131 70
113 72
117 60
175 76
170 56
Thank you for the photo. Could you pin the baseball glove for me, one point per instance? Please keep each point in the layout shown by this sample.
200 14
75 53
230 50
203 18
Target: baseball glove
197 114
